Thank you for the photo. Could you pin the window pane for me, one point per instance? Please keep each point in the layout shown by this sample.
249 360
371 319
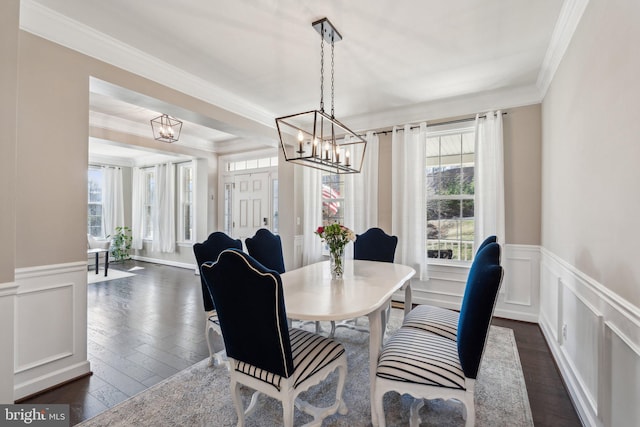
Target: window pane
449 209
187 222
332 199
185 202
434 179
149 202
468 180
94 199
467 209
451 181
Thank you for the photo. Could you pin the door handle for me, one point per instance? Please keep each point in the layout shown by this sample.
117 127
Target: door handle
264 221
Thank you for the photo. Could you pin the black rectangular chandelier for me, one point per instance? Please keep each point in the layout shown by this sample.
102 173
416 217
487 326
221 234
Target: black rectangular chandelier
315 138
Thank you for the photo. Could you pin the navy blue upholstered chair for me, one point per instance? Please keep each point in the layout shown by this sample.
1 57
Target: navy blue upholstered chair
438 320
427 365
209 251
263 352
375 245
266 248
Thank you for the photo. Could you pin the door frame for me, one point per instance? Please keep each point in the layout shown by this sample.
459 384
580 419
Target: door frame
226 177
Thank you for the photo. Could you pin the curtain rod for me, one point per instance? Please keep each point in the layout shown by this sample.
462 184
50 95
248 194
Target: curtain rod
384 132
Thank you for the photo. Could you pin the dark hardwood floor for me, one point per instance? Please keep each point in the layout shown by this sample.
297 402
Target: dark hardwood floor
145 328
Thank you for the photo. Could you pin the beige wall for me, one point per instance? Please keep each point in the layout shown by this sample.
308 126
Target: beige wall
591 149
9 18
53 117
522 174
522 157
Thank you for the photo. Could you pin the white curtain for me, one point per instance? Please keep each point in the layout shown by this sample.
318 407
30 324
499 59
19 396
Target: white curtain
361 192
112 200
137 211
408 200
489 185
164 229
312 215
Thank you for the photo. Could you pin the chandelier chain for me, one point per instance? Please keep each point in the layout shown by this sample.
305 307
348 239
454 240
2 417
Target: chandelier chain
321 73
332 78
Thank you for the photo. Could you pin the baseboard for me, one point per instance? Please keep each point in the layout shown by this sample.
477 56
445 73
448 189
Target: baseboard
165 262
51 380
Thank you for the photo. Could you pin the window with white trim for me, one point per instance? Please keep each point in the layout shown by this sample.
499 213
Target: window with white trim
185 202
450 180
148 205
94 211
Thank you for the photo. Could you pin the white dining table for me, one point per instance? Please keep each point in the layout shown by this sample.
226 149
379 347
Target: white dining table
365 289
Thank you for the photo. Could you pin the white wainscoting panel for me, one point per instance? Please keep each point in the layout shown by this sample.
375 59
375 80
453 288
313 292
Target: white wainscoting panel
519 295
594 336
7 356
622 361
50 326
55 337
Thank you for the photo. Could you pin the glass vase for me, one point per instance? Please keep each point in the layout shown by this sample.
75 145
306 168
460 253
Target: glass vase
337 262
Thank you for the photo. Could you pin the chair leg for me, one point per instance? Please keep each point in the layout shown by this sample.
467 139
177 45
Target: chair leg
379 406
252 404
342 377
469 411
287 412
414 417
237 402
207 334
471 417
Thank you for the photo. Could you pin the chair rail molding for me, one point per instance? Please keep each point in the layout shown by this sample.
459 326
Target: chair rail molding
594 336
53 348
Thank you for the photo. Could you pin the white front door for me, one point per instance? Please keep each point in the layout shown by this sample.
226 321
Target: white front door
250 204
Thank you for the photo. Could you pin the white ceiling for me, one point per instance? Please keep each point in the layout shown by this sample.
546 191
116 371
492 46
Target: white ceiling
398 61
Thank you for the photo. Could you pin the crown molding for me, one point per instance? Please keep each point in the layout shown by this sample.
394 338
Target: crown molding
566 25
468 104
53 26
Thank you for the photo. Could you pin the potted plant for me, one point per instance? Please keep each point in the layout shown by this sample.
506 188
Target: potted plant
121 244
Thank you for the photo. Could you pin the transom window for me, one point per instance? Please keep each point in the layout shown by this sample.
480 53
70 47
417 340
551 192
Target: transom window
264 162
450 165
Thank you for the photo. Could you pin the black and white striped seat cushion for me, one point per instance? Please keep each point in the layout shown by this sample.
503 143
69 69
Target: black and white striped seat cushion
419 357
439 321
311 352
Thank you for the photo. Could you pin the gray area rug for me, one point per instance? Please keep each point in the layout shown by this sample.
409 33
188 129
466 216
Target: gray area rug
200 396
